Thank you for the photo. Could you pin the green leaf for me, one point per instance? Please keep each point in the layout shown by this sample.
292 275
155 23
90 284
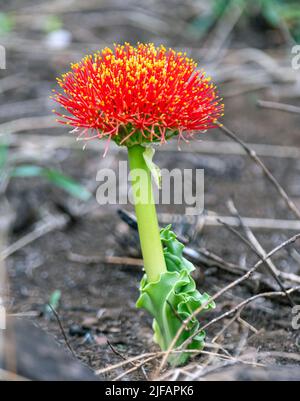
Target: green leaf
27 171
6 23
173 251
56 178
53 23
271 14
173 299
201 25
68 185
55 299
3 155
53 303
154 169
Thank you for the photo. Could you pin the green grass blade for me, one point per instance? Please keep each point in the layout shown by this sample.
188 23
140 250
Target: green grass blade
55 177
3 155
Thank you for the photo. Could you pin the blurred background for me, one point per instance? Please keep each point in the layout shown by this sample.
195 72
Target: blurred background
59 247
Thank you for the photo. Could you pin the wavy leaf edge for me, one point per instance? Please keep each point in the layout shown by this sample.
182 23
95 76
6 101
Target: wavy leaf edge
173 299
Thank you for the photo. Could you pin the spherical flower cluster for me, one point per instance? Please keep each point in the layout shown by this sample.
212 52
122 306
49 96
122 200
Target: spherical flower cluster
143 93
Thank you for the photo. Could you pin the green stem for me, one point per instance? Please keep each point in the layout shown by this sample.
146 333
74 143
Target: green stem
154 261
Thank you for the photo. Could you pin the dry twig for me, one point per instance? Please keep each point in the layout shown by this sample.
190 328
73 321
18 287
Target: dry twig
241 306
291 205
62 330
279 106
223 291
42 229
261 255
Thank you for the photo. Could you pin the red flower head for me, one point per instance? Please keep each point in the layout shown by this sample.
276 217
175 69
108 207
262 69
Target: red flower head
136 95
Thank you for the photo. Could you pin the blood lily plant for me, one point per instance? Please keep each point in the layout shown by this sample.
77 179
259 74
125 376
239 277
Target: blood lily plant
136 97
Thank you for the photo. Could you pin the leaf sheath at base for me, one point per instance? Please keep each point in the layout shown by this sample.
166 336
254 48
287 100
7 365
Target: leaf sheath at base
172 299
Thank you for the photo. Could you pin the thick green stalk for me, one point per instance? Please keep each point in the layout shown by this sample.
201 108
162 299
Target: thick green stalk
154 261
